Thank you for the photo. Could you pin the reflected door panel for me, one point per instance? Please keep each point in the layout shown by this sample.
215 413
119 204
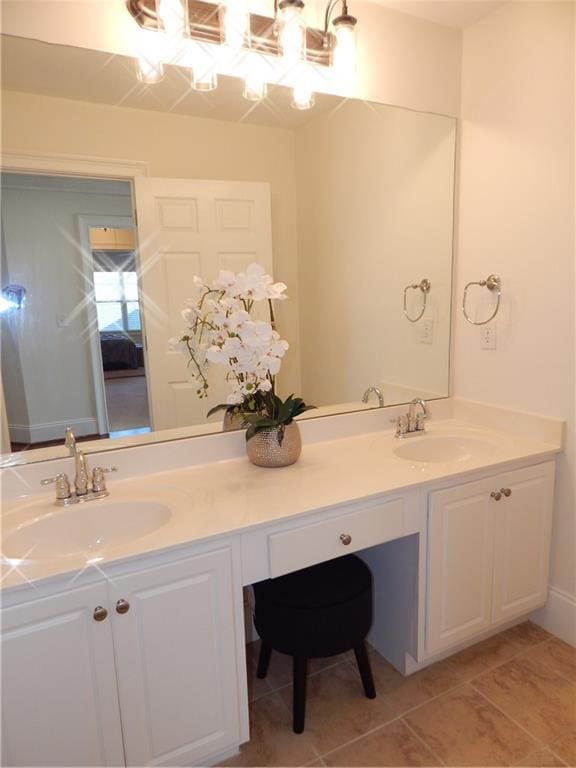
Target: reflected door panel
188 227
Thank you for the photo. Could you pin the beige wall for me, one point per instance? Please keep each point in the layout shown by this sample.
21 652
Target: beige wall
516 218
375 201
403 60
175 146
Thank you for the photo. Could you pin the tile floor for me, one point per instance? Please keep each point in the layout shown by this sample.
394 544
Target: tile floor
509 700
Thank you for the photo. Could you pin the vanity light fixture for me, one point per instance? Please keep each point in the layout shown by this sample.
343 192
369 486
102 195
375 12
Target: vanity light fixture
176 23
236 25
291 31
344 56
12 297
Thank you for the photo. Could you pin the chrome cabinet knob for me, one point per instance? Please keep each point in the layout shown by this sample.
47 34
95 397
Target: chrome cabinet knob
346 539
506 491
100 613
122 606
496 495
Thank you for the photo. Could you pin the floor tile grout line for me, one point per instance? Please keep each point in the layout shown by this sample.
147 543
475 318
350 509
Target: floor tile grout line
498 664
395 719
463 682
555 671
423 741
542 744
290 725
535 752
371 732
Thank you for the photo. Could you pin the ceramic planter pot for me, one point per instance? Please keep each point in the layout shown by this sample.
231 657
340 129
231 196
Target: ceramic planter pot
267 449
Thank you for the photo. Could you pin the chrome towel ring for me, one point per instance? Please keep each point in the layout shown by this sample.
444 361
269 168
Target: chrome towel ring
424 285
493 283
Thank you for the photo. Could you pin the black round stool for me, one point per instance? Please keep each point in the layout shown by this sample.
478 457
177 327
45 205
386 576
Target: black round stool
319 611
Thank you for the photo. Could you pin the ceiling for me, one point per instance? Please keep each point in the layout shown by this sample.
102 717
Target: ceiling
450 13
62 71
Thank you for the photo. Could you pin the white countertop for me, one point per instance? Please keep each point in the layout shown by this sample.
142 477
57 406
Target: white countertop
233 496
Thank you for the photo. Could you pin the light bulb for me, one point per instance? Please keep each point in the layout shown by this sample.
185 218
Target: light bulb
302 96
150 68
255 89
292 32
149 71
344 59
173 17
204 79
255 86
236 24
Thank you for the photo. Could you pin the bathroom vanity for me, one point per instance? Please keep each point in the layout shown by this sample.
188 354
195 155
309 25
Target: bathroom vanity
135 654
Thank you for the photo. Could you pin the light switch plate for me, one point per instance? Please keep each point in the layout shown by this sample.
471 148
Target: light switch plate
427 332
488 336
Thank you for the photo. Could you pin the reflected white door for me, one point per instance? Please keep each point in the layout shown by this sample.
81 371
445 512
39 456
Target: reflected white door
185 228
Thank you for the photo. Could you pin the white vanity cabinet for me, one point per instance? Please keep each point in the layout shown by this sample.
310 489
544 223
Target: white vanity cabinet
59 695
176 660
488 552
154 678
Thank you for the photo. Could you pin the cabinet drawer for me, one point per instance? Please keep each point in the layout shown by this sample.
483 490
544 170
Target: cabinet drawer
314 543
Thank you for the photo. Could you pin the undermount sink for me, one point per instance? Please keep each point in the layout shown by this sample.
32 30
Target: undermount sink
84 529
444 448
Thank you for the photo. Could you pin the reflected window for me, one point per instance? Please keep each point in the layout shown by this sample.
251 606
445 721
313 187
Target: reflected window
116 295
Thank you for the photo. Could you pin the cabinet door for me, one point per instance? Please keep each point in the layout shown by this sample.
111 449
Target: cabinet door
176 658
460 561
522 541
59 695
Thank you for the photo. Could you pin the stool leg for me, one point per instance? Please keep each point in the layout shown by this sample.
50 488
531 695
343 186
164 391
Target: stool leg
364 668
264 660
300 665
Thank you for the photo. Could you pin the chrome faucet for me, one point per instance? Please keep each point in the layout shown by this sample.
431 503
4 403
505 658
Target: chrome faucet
413 423
374 391
82 490
70 441
80 463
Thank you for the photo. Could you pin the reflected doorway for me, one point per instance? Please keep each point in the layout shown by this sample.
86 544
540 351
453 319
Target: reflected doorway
119 322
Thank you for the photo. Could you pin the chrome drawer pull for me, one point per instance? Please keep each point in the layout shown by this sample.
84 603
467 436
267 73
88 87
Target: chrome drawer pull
346 539
100 613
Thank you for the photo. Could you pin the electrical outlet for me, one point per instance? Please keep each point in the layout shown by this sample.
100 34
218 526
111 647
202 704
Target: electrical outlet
488 336
427 332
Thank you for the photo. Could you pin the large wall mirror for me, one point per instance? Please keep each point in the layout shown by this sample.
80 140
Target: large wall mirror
348 203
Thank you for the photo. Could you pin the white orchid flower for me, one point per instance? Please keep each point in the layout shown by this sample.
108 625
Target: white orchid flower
226 280
276 292
270 364
256 333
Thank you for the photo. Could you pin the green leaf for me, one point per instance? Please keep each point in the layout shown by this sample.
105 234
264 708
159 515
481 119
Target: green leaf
221 407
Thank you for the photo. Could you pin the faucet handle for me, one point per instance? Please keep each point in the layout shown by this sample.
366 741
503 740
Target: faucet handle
98 481
401 426
420 422
62 485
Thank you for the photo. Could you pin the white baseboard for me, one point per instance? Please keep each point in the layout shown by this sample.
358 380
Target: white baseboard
51 430
558 616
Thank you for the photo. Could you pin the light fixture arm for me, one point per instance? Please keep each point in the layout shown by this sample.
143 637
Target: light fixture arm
343 15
